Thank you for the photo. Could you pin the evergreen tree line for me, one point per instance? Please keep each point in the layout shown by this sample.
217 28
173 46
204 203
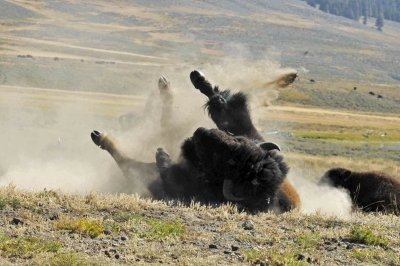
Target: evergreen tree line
355 9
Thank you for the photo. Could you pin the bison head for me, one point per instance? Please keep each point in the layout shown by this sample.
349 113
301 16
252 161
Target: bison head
245 171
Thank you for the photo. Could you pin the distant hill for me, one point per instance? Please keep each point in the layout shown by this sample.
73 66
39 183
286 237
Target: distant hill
121 46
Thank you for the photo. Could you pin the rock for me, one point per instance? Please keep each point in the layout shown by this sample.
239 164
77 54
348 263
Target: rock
349 246
212 246
227 252
234 248
248 225
117 256
107 231
124 238
17 221
53 216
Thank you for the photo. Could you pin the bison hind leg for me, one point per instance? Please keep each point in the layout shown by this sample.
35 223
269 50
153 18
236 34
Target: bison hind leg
163 160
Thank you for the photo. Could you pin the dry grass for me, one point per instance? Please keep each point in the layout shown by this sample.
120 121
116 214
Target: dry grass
159 232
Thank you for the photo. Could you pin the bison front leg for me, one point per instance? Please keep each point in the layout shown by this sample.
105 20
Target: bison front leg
127 165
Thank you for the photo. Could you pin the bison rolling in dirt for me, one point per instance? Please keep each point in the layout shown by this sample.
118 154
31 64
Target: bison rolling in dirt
369 191
214 167
230 113
229 164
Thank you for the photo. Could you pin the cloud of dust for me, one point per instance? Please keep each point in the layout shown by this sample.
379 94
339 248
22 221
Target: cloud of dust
322 199
47 143
46 138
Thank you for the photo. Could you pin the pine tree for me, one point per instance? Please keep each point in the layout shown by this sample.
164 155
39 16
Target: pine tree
379 18
379 22
365 11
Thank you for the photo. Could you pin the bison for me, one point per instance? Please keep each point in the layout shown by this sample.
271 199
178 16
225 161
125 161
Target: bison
369 191
230 113
229 164
214 167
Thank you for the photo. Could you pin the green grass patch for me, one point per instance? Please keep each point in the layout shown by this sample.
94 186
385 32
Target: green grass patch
273 257
122 217
68 259
83 226
376 256
22 246
349 136
362 235
159 229
308 240
155 228
251 255
13 202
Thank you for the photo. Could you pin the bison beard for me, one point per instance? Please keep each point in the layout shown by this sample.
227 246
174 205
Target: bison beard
370 191
230 113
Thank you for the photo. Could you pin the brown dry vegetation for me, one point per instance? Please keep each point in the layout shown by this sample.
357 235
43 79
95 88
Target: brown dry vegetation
61 229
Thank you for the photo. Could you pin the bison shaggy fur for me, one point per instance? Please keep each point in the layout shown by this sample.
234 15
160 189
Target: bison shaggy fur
370 191
217 167
230 112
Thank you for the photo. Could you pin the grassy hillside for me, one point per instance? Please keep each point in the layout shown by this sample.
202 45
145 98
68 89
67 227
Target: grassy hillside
77 41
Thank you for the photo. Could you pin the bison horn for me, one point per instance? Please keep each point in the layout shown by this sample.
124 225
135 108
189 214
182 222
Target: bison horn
227 191
269 146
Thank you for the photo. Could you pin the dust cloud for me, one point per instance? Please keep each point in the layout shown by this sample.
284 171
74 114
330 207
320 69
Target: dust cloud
46 143
321 199
45 137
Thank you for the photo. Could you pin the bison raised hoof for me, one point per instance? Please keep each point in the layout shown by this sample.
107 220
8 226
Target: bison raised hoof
97 137
201 83
163 84
196 76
